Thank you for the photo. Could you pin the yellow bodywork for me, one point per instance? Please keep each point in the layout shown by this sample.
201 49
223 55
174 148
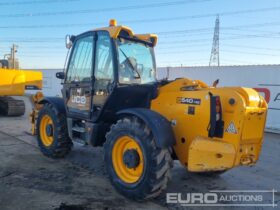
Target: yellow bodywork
194 148
14 82
206 154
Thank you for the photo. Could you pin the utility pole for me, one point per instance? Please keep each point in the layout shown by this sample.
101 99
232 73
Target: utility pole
215 54
13 55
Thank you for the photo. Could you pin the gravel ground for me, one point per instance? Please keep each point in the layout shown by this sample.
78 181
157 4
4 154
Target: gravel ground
28 180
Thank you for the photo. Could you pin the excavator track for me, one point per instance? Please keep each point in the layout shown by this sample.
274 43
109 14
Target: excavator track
11 107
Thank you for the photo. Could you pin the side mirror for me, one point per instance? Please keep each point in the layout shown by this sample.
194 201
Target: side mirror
69 41
60 75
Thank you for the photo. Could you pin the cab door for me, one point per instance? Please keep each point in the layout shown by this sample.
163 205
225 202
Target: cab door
78 86
104 73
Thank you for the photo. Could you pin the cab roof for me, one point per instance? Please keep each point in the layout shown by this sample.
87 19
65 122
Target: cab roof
115 31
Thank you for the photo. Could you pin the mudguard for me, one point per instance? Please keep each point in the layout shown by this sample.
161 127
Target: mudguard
160 126
57 102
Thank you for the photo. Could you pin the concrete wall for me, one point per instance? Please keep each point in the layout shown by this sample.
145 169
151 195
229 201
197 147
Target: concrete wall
51 85
265 78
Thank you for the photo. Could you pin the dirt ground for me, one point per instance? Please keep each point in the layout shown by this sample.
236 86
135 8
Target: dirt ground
28 180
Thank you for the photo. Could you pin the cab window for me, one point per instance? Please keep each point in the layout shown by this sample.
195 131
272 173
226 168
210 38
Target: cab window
103 72
104 61
80 65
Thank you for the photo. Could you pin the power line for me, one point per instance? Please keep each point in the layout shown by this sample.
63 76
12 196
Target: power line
229 51
67 25
109 9
251 47
252 30
53 39
181 61
60 56
62 46
33 39
180 52
71 25
167 51
63 50
208 15
204 60
238 62
271 34
158 48
242 52
206 33
11 3
222 28
182 42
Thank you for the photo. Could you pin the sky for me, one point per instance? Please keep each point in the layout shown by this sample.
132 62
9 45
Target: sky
249 29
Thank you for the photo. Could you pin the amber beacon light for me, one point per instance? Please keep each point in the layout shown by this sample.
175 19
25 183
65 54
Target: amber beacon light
112 22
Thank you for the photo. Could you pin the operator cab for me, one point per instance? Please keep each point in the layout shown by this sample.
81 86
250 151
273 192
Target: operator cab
108 70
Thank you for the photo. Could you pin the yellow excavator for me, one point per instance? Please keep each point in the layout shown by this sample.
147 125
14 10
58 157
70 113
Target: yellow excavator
111 98
14 82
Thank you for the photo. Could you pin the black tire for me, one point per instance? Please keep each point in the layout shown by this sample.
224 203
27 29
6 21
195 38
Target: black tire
157 161
61 144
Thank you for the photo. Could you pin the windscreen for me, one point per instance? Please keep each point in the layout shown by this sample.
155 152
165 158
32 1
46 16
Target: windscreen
136 62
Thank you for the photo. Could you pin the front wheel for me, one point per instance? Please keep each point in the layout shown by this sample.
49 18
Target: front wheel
137 168
53 139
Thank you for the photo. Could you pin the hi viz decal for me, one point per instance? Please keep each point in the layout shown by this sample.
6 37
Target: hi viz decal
193 101
231 128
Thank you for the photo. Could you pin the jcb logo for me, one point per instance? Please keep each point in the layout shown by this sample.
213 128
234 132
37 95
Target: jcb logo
79 100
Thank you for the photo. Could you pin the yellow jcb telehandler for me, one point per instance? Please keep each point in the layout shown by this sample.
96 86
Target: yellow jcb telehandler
111 98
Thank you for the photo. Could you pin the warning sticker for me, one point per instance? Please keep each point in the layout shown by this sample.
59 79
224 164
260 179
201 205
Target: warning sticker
231 128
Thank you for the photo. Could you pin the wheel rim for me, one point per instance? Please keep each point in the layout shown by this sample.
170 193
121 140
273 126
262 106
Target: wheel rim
125 173
45 133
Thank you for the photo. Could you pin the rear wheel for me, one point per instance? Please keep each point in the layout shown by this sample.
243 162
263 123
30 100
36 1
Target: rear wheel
53 139
136 166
